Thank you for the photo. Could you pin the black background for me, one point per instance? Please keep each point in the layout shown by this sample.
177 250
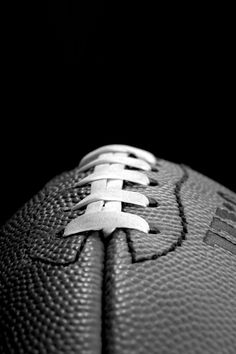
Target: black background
80 75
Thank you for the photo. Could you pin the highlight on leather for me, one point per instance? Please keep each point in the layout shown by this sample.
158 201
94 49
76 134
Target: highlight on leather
104 204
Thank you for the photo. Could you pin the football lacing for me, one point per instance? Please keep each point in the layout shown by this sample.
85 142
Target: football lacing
104 204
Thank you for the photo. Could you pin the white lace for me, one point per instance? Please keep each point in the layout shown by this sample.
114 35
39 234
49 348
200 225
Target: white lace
103 205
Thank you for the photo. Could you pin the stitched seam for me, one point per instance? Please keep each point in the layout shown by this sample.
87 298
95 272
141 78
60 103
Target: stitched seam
64 264
131 248
104 287
184 223
48 196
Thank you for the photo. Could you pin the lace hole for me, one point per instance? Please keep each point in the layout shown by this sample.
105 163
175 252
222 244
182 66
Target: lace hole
153 182
60 232
152 203
153 230
154 169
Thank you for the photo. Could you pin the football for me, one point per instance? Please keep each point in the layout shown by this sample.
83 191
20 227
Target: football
125 254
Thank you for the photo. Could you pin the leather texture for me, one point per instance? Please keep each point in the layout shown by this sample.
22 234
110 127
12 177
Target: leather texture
171 291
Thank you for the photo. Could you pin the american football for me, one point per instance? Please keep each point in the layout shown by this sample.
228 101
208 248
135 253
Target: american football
125 254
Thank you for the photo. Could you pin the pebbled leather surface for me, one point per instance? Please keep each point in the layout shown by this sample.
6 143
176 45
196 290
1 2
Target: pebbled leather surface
168 299
169 292
50 287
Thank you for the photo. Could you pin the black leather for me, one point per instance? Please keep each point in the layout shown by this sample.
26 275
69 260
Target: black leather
51 287
167 292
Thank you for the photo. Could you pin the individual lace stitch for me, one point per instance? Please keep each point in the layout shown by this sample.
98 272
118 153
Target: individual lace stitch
104 204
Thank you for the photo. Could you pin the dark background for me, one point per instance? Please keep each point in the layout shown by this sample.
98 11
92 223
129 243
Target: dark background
78 75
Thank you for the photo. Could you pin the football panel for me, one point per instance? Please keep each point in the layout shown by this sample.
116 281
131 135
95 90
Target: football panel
175 291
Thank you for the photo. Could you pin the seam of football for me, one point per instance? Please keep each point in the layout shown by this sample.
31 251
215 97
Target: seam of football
63 264
184 224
